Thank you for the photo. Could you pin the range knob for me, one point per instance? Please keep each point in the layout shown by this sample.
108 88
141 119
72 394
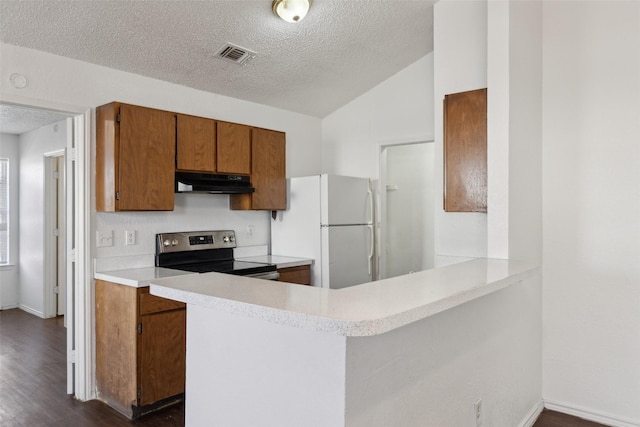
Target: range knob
232 238
174 242
225 239
166 242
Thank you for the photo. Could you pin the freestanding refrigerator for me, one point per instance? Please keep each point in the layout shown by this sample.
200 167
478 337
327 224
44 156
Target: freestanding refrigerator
330 220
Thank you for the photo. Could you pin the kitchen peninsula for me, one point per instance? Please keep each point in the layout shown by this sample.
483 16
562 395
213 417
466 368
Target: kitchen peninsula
419 349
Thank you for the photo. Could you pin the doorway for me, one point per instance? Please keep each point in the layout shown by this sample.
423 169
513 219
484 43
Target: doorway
407 208
78 296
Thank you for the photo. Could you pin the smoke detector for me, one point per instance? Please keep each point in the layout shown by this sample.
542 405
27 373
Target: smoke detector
236 54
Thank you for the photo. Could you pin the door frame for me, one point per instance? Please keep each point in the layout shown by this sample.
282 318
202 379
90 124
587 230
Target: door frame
80 325
50 225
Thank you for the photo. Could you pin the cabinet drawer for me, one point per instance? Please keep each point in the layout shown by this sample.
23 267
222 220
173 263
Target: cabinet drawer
153 304
300 275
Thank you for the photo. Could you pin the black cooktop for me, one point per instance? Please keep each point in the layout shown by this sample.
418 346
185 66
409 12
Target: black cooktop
239 268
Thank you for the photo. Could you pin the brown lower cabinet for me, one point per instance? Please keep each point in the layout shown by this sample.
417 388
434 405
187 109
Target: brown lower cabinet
300 275
140 349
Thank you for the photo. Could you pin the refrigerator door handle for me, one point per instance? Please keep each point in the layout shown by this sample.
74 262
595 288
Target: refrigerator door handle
371 250
370 195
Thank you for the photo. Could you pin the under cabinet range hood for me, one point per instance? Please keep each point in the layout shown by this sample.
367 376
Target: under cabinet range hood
196 182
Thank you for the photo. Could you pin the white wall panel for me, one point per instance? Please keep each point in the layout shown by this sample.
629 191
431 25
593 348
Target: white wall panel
460 64
591 188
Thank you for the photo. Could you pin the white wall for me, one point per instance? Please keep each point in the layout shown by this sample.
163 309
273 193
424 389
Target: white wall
398 110
61 81
460 64
9 275
431 372
525 132
591 159
33 146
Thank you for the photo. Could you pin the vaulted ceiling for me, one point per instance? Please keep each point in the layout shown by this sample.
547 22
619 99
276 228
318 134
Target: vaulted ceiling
340 50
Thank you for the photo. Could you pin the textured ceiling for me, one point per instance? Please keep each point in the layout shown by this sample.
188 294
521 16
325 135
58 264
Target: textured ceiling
339 51
18 120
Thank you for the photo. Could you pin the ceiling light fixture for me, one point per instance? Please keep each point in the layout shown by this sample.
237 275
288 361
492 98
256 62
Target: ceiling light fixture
291 10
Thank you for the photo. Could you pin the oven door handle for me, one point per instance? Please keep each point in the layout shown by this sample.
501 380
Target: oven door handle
270 275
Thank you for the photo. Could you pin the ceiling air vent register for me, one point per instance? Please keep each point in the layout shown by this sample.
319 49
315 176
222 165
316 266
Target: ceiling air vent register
236 54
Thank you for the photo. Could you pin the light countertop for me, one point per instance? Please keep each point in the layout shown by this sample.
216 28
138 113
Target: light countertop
278 260
139 277
362 310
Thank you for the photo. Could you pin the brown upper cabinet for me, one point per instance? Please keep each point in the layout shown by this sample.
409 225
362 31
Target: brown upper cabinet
234 148
196 144
465 151
139 149
268 173
135 158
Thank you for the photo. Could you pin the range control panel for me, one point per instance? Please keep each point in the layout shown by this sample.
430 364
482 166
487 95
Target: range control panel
195 240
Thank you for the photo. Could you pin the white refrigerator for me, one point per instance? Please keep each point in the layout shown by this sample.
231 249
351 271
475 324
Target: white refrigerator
329 219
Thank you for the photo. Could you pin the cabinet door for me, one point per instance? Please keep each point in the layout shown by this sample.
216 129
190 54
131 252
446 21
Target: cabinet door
162 355
234 148
268 173
146 159
196 144
116 323
465 151
268 170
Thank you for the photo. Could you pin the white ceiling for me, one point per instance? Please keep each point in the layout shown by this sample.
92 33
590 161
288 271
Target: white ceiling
339 51
18 120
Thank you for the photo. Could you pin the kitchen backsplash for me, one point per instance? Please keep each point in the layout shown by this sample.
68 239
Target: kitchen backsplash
193 212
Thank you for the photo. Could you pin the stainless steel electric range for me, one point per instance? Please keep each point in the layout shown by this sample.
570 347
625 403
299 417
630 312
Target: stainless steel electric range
207 251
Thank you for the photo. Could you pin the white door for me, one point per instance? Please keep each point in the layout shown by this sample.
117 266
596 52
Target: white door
407 238
346 255
61 246
345 200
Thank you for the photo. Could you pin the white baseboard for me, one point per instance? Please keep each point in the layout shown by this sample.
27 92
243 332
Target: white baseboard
530 419
9 307
587 414
31 311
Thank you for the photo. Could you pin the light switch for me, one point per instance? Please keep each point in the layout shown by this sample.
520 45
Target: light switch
104 238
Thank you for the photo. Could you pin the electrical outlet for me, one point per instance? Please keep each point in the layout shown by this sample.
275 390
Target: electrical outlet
250 231
104 239
478 409
130 237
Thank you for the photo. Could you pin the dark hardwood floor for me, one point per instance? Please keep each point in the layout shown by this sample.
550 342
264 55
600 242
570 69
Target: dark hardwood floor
556 419
33 380
33 383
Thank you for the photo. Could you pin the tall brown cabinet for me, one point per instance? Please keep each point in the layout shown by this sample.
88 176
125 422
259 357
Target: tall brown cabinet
465 151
